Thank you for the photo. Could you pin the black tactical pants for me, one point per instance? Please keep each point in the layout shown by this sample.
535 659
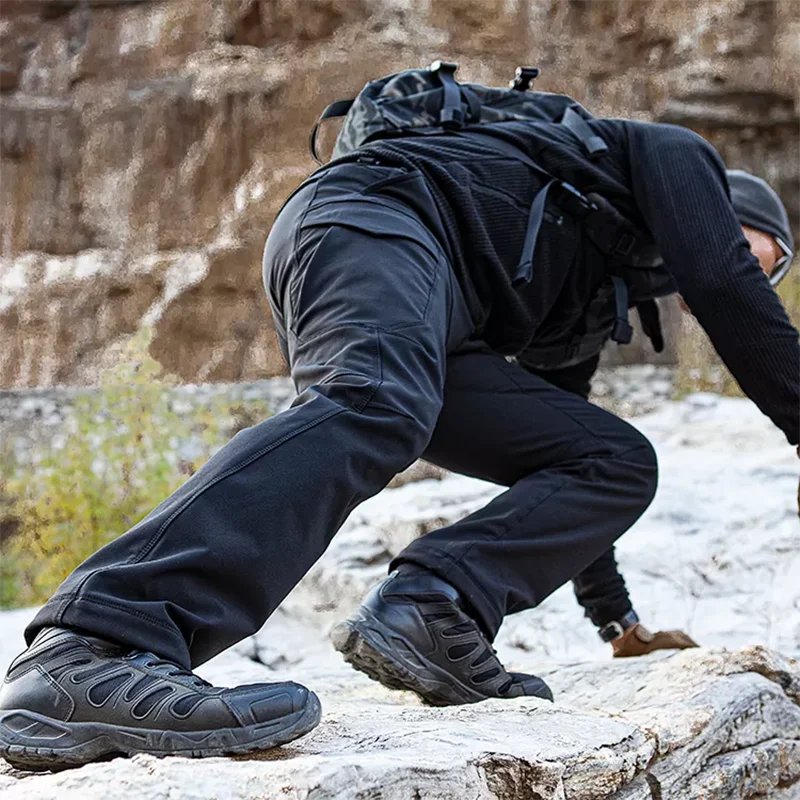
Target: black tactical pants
600 588
370 319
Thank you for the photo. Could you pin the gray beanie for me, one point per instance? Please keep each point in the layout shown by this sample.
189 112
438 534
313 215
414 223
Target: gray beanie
758 206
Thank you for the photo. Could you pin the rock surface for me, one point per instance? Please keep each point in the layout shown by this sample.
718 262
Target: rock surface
717 554
146 146
714 724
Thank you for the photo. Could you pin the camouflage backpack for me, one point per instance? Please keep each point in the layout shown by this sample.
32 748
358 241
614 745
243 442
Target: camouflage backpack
430 101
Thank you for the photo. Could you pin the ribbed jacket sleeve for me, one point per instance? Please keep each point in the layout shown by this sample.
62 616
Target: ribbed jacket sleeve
681 190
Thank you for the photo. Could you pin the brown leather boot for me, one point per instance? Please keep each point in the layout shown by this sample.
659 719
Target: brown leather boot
637 641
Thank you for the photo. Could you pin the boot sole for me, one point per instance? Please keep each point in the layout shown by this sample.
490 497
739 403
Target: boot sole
371 647
33 741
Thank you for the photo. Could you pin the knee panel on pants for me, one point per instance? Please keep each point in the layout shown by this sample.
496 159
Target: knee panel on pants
625 458
642 466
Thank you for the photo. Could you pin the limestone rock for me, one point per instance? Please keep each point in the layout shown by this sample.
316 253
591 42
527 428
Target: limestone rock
717 554
716 724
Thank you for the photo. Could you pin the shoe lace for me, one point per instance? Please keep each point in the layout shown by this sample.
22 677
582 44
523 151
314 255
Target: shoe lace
173 670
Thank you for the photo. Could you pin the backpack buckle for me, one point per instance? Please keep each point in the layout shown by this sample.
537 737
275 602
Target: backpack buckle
572 201
451 119
445 66
523 77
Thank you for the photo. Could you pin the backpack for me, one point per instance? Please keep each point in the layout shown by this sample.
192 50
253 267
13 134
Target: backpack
422 102
430 102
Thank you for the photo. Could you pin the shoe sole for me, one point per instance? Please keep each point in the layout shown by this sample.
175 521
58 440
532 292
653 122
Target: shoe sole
33 741
371 647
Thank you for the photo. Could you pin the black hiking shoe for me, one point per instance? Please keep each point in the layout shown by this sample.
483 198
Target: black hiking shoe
411 632
71 698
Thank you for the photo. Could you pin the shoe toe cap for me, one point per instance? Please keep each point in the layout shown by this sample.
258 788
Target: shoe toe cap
269 702
531 686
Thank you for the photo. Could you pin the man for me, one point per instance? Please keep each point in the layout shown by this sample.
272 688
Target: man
398 290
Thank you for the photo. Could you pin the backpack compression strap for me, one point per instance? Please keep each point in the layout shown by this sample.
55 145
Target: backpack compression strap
623 332
336 109
450 117
592 143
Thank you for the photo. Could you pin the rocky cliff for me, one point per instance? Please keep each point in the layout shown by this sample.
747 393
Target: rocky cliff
146 146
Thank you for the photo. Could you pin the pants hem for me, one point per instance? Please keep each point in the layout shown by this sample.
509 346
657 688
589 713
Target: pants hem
489 617
109 621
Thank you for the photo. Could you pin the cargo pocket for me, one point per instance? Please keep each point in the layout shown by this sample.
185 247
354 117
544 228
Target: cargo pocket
360 263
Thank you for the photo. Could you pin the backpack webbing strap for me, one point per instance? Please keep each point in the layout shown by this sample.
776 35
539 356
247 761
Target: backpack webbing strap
336 109
592 143
623 332
451 115
524 270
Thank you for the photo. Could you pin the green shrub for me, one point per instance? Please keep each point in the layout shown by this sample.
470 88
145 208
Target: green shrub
115 461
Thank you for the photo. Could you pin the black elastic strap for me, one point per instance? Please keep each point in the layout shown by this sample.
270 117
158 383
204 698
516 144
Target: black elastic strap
451 115
592 143
650 318
336 109
623 332
524 270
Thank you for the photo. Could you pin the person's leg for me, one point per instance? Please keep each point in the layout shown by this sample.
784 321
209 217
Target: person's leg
600 590
366 318
366 321
579 478
599 587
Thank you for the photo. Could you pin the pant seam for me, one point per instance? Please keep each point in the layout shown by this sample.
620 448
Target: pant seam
572 419
292 266
394 330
